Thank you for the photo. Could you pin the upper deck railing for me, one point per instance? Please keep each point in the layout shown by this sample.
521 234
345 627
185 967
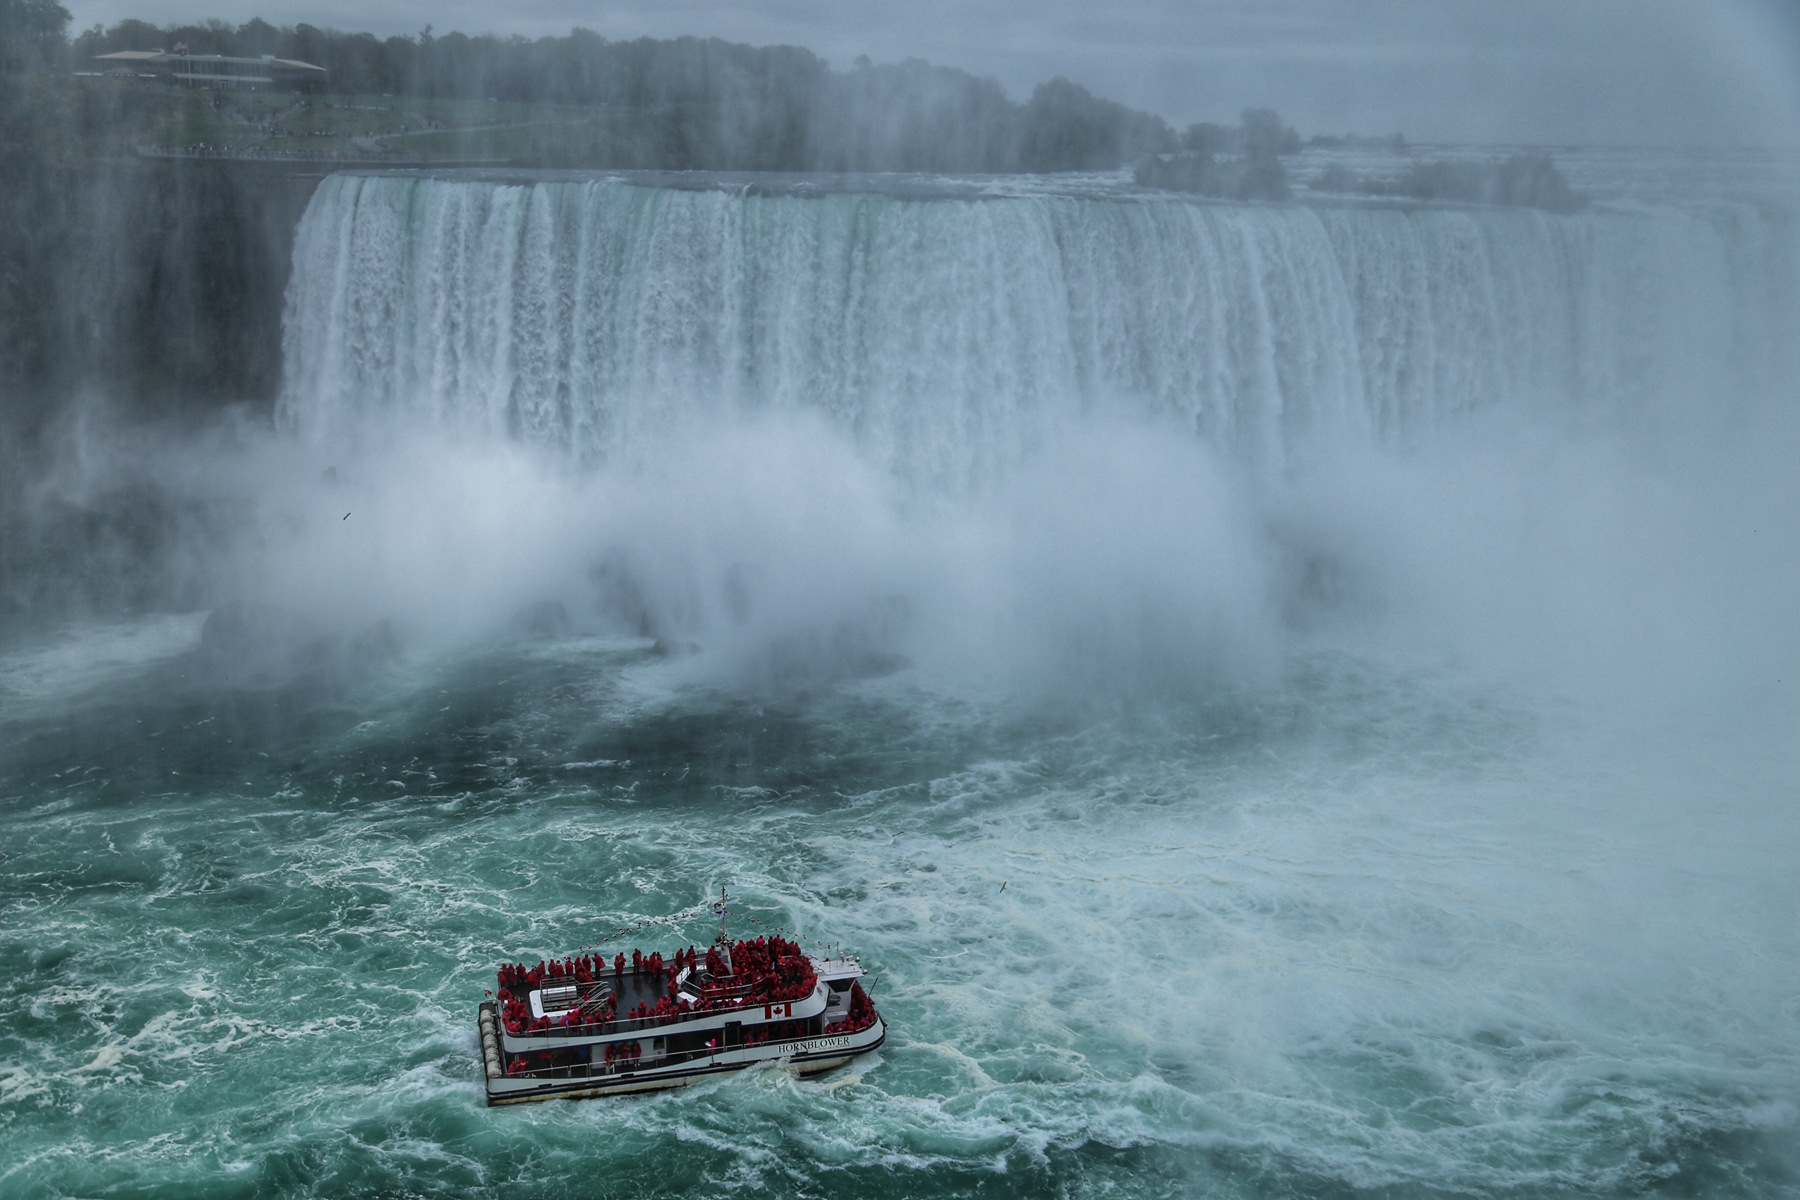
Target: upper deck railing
720 997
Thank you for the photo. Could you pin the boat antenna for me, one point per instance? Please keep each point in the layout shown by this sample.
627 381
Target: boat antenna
723 942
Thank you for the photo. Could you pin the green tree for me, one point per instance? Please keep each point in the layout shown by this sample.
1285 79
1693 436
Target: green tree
31 33
1065 127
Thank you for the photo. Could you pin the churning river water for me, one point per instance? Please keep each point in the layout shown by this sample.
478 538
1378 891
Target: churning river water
1286 700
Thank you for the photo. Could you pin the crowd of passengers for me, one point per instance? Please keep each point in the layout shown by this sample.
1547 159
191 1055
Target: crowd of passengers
862 1012
766 970
616 1052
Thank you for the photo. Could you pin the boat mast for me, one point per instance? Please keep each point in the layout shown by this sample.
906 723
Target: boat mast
723 941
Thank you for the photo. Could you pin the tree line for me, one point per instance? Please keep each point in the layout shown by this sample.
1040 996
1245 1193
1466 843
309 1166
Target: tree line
1243 163
694 102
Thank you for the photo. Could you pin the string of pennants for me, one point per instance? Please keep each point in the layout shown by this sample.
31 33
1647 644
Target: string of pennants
689 914
788 933
686 914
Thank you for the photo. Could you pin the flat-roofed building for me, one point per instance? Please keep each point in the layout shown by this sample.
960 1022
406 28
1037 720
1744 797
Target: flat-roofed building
264 74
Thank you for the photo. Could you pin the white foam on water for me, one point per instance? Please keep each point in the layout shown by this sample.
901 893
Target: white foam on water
82 659
1353 637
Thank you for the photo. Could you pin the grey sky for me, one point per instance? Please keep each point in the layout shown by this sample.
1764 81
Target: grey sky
1546 71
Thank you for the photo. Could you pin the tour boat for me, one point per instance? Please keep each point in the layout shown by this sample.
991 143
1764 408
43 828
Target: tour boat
588 1027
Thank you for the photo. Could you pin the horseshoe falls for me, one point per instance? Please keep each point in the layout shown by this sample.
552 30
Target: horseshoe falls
1286 699
944 336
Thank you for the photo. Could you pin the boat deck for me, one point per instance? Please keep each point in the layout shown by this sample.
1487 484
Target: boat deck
587 1026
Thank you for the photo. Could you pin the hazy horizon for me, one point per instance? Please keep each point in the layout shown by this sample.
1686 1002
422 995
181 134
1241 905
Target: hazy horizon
1717 74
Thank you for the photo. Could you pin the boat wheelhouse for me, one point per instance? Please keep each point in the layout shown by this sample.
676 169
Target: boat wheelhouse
588 1027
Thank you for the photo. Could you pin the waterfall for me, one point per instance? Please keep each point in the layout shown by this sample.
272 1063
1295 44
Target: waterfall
1290 699
943 333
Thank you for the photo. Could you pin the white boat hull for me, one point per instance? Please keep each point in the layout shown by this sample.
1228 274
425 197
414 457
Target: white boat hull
803 1056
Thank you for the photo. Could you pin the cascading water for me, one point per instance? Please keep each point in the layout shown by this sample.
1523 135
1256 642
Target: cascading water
1289 699
947 333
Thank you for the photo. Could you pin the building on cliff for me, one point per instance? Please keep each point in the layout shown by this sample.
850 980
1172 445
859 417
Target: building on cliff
181 69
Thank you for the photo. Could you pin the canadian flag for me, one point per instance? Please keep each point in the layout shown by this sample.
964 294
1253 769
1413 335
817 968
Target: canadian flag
778 1010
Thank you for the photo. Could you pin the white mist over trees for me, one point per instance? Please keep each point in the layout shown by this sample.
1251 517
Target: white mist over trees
1250 169
703 103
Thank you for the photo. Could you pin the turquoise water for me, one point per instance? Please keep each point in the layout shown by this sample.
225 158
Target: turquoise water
1284 701
1366 933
